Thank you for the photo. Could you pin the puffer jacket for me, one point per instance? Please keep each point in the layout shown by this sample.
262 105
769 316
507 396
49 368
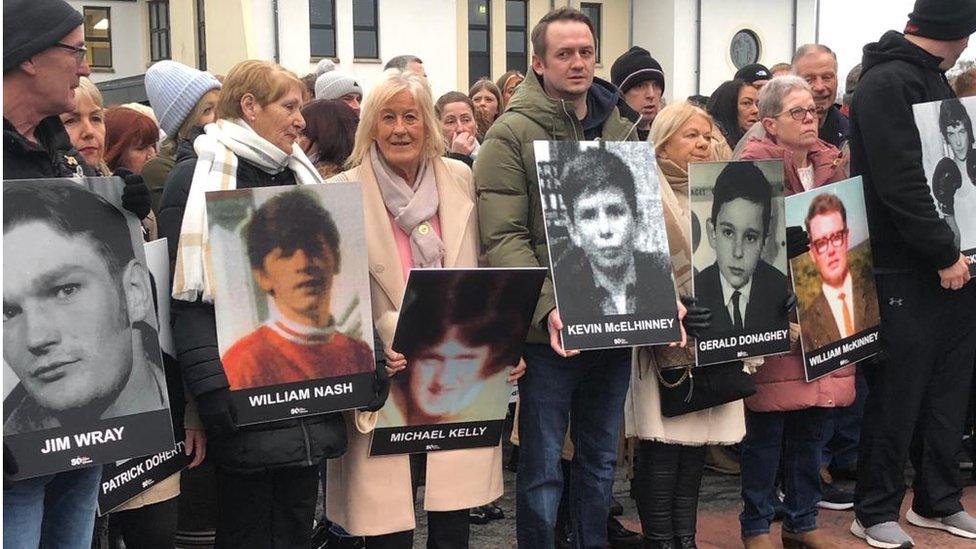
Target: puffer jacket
780 383
509 200
254 448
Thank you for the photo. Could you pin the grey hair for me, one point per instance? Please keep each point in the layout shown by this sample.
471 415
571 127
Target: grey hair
771 95
807 49
401 62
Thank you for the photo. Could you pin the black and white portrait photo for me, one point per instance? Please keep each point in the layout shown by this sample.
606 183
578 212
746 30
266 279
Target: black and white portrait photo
80 344
948 156
607 244
740 268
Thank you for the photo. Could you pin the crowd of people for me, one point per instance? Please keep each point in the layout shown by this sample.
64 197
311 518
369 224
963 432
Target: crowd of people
451 182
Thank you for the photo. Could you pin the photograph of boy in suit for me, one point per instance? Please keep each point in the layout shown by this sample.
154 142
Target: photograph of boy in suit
744 292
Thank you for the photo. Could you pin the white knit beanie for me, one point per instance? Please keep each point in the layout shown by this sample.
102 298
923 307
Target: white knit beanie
332 84
174 90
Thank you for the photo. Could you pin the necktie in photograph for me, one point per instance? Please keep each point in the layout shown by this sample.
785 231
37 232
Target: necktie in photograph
736 314
848 322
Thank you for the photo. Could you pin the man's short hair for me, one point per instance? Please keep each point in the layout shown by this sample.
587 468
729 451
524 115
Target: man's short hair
953 113
72 210
807 49
746 181
292 221
565 13
593 170
401 62
824 204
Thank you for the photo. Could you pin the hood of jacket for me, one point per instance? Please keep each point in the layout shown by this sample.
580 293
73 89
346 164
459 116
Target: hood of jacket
184 150
532 101
893 46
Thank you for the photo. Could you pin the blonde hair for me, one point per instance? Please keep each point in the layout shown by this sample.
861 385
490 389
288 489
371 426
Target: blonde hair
88 87
171 143
395 81
265 80
671 119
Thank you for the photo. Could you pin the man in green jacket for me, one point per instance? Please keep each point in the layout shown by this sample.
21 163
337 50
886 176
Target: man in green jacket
560 100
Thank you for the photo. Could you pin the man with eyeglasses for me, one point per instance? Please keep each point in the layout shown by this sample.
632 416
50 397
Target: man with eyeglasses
43 58
846 303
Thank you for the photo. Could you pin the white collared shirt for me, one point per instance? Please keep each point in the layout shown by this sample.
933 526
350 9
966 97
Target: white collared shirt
727 291
833 299
806 177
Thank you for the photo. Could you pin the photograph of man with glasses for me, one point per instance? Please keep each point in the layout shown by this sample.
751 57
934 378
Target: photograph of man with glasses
847 302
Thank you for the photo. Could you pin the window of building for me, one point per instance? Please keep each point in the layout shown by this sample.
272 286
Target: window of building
201 37
321 32
98 37
516 38
479 40
158 29
365 30
593 11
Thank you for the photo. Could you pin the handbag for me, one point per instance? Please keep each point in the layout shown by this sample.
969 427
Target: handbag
691 388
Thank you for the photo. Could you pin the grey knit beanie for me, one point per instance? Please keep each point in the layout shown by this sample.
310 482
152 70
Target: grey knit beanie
32 26
174 89
332 84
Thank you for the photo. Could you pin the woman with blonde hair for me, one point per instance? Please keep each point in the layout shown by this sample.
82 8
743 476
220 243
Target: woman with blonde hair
267 474
420 212
507 84
670 456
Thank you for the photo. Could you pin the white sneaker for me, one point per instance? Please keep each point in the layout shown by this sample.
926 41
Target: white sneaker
886 535
960 524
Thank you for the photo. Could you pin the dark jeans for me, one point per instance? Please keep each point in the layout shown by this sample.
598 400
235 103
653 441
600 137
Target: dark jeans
269 509
667 478
799 435
588 388
445 530
149 527
918 396
54 511
842 428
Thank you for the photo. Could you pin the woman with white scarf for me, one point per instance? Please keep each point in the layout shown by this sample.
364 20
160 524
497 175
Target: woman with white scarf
420 212
267 474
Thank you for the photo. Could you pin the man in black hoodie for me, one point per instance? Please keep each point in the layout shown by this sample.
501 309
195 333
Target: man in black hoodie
919 392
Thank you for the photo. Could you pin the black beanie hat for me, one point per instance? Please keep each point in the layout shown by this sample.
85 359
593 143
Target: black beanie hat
753 72
635 66
942 19
32 26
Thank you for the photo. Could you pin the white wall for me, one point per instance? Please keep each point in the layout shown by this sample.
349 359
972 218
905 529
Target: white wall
429 33
130 40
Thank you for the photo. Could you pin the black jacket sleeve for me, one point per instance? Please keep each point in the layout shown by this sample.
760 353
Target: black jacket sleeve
894 154
194 324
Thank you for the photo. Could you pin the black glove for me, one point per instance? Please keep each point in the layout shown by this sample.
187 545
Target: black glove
135 193
790 303
10 467
797 242
697 319
217 412
381 388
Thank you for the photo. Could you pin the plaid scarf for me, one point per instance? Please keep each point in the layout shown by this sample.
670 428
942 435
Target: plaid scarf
218 151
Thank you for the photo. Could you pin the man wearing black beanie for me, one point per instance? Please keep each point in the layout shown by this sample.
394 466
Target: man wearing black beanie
920 387
43 58
641 82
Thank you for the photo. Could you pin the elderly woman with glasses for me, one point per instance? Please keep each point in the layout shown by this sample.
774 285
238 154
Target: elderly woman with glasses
786 412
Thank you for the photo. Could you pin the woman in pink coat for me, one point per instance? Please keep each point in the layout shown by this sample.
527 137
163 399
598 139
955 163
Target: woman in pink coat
787 412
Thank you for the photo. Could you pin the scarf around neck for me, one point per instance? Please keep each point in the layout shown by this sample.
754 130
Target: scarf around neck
218 151
412 208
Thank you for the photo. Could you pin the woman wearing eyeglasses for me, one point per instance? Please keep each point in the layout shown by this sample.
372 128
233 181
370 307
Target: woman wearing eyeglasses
786 413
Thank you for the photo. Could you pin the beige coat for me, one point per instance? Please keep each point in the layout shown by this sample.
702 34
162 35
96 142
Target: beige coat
723 424
370 496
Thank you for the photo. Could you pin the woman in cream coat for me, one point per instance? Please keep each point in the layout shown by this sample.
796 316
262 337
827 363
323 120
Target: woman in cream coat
397 158
671 453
